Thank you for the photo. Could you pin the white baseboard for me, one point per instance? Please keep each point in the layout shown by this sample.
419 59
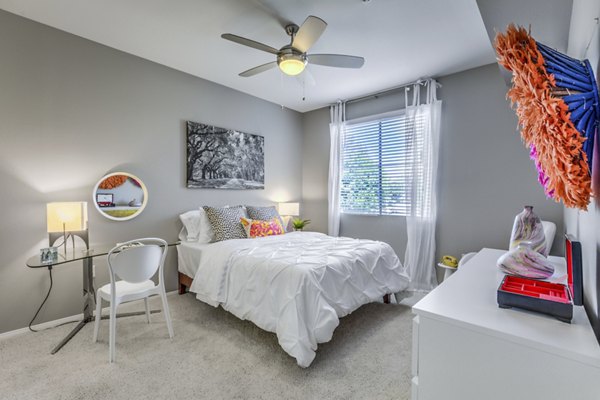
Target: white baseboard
41 327
55 323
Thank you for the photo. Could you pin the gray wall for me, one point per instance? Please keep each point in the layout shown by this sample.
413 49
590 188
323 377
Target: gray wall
485 174
72 110
315 168
548 19
584 224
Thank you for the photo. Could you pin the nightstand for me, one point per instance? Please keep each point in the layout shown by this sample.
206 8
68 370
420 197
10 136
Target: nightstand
447 270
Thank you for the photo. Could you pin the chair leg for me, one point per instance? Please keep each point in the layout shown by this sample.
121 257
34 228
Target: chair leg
163 296
113 331
147 309
98 316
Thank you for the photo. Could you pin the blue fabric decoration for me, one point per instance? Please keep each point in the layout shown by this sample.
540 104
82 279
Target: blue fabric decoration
584 102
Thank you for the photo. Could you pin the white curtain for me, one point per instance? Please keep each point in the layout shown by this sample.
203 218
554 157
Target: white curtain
336 131
419 258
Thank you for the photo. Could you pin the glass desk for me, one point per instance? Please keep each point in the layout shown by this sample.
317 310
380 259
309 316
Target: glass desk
89 293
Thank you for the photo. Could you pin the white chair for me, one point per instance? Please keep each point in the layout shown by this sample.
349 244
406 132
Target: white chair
549 232
134 262
465 257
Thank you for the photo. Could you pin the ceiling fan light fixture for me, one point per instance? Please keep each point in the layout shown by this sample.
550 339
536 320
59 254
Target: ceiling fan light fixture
291 64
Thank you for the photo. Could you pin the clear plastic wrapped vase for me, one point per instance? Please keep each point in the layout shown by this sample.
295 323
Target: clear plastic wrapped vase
528 228
525 262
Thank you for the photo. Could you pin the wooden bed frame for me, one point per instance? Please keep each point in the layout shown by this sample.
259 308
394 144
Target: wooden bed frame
185 282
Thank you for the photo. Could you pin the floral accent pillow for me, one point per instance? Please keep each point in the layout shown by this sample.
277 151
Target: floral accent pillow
256 228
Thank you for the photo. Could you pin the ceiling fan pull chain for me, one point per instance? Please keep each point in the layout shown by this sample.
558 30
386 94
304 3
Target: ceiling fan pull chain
281 89
303 87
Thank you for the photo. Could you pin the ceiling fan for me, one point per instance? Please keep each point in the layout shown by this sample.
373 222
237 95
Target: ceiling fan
292 58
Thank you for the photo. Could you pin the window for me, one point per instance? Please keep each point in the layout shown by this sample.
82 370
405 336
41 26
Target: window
379 165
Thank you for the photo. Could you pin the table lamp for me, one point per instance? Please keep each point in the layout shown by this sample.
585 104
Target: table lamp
67 219
287 211
291 209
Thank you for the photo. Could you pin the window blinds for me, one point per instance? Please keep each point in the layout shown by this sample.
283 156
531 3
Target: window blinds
381 159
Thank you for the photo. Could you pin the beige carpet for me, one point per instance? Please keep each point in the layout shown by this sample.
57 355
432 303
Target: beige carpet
214 355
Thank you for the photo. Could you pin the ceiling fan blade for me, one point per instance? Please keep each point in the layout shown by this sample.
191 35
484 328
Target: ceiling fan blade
250 43
336 60
259 69
310 31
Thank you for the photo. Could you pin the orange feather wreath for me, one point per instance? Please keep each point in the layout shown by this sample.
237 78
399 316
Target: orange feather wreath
112 182
544 119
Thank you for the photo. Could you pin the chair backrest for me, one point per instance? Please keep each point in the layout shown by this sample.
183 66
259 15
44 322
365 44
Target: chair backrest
137 260
549 232
465 258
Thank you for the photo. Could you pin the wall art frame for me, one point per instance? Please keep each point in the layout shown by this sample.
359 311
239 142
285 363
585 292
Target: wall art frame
220 158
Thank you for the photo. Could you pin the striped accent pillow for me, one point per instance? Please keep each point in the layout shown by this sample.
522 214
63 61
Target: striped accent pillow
264 214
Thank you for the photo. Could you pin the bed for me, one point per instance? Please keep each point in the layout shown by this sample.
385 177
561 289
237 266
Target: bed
296 285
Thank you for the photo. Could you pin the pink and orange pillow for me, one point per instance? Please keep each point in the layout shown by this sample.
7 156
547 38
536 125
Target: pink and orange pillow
256 228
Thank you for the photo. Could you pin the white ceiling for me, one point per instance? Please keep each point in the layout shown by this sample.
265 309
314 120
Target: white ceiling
401 40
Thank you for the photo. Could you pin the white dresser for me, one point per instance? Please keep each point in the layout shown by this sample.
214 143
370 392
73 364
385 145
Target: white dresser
467 348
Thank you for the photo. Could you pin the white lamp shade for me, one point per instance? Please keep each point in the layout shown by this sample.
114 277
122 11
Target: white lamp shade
289 209
67 216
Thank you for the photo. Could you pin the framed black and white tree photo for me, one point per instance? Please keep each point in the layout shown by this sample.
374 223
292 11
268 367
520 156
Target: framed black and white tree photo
222 158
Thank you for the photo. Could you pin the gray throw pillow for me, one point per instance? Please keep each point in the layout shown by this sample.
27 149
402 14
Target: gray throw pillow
264 213
225 222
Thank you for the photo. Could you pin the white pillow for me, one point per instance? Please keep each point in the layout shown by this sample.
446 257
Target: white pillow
206 231
196 227
191 226
183 234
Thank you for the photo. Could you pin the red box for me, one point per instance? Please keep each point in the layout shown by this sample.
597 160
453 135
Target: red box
104 200
547 297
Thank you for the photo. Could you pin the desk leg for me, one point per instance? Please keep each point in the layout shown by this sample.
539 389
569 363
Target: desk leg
89 302
59 346
89 294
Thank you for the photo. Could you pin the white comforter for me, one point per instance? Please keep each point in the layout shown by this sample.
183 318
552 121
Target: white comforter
298 284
